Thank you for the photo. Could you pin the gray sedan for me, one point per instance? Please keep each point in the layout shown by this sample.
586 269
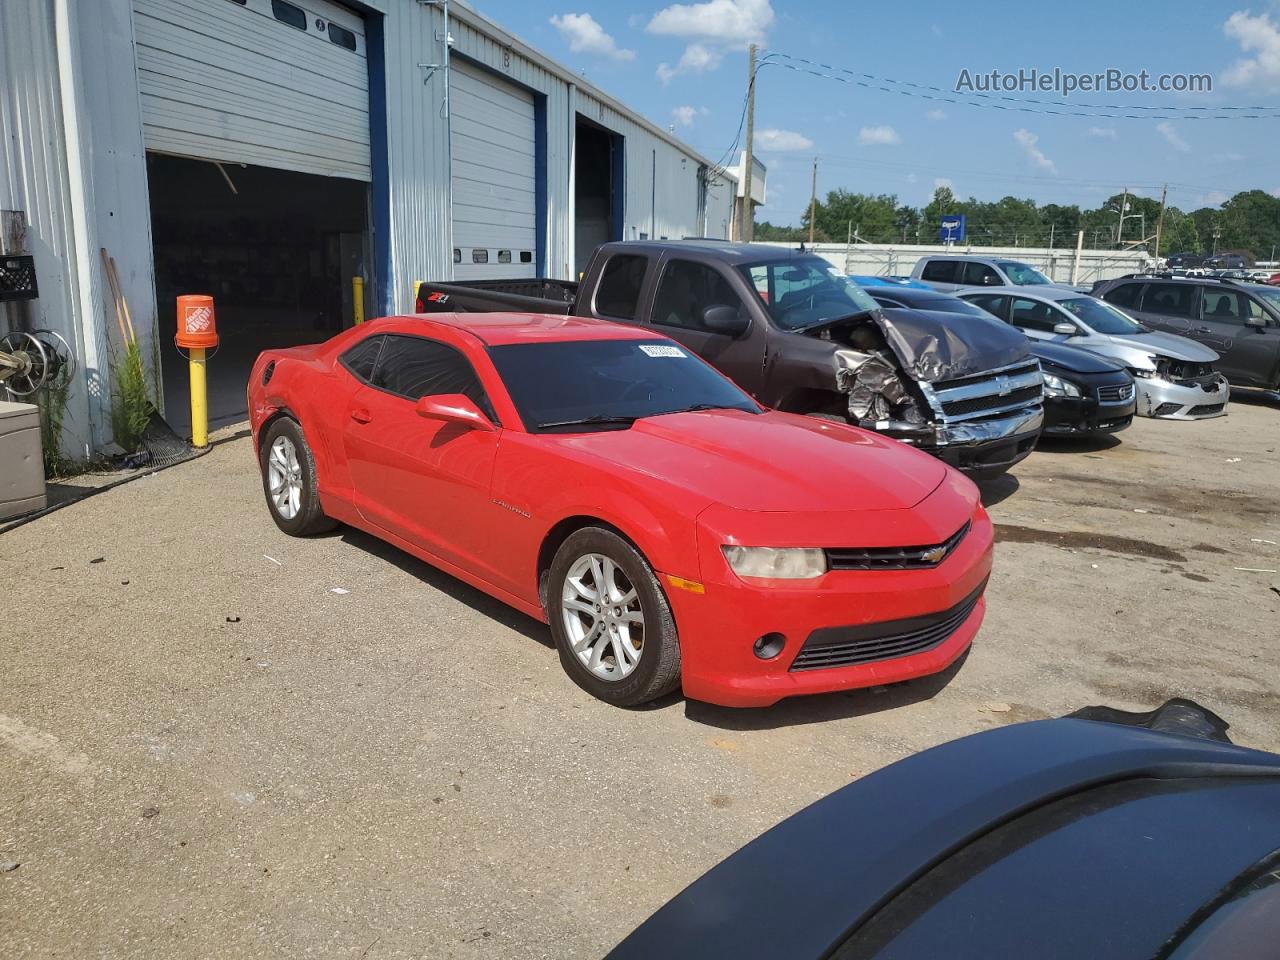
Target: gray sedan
1175 376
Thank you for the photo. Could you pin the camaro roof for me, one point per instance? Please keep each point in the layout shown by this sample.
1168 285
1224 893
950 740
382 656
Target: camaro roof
498 329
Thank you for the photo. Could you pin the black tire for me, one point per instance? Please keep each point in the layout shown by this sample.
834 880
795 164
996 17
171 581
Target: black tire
658 669
310 519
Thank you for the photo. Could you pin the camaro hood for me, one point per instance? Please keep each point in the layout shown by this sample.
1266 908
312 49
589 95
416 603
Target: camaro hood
1072 358
771 461
1167 345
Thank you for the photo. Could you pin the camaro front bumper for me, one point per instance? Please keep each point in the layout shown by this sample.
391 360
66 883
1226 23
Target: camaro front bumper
876 626
1183 400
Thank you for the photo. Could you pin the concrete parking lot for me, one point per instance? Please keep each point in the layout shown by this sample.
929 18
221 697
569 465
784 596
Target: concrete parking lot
219 741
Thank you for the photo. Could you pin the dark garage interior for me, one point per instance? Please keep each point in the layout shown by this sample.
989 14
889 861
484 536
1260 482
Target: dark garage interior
597 166
275 249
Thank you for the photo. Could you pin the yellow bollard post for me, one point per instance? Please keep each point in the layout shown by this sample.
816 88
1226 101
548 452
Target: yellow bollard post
357 298
199 400
197 332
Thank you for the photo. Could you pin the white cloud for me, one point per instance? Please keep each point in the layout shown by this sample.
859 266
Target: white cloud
782 140
878 136
941 182
695 59
585 35
685 116
733 23
1029 141
1259 36
1108 133
1214 198
936 115
1276 192
912 178
1170 134
712 29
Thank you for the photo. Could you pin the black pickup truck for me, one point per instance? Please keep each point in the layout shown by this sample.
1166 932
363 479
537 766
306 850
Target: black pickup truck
797 335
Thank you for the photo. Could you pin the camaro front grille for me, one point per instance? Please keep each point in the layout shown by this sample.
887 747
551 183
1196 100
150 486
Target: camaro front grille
1116 393
868 643
894 558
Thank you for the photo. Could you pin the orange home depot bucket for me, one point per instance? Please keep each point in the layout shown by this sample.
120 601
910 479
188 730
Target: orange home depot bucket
196 325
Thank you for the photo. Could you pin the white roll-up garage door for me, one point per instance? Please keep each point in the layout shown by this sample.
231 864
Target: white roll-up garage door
493 155
268 82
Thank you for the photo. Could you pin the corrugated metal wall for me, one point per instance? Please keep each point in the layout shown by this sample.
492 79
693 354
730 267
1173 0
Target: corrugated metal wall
662 179
34 178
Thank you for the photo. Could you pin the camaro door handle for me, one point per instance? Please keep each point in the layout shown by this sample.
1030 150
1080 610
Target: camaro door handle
361 415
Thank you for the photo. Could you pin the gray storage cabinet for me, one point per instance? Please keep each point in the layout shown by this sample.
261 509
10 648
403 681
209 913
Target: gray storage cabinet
21 465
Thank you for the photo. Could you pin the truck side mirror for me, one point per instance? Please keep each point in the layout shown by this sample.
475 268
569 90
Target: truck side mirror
722 318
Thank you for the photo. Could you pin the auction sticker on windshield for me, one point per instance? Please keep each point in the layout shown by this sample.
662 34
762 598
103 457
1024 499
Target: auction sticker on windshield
657 350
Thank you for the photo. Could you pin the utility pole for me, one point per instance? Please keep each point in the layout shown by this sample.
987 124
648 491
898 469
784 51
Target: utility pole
1124 205
1164 192
749 214
1051 226
813 199
1217 232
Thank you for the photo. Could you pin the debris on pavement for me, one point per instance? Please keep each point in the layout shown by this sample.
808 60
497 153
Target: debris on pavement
995 707
273 560
1233 459
8 866
149 812
339 590
97 559
1260 540
233 619
1255 570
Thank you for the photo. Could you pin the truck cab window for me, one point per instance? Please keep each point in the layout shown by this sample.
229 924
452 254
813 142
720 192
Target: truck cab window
941 271
619 292
980 275
688 288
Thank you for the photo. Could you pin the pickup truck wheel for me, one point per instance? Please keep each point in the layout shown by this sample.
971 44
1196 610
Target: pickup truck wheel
611 621
289 481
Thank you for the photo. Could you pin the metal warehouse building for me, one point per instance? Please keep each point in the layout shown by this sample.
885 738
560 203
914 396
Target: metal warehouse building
268 151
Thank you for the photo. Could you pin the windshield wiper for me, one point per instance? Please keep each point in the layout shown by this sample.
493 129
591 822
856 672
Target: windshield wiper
589 422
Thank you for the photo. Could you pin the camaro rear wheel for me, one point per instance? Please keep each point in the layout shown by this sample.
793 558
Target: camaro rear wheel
289 481
611 621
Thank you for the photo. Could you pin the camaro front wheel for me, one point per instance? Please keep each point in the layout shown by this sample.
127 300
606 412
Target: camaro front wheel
289 481
610 619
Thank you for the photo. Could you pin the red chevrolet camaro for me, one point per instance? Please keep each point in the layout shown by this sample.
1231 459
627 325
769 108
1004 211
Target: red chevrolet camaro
603 479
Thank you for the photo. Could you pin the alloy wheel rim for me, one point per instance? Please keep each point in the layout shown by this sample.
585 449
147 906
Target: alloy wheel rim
284 478
603 617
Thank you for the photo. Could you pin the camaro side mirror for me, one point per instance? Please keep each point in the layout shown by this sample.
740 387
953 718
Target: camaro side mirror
454 408
721 318
1066 329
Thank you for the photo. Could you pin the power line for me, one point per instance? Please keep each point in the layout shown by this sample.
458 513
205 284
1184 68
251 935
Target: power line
907 88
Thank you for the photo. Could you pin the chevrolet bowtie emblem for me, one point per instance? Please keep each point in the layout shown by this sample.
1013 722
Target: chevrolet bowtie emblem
1004 385
935 555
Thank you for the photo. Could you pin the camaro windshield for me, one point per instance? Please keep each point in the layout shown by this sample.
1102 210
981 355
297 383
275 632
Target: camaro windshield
1101 317
575 385
1022 274
805 292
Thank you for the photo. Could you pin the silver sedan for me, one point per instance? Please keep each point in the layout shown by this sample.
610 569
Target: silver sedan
1175 376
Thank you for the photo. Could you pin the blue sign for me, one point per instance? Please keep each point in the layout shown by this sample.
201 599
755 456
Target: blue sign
952 229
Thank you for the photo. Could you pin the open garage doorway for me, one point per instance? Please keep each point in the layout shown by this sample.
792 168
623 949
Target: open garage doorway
598 157
276 250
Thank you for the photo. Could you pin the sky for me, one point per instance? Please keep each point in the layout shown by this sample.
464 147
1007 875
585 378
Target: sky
684 65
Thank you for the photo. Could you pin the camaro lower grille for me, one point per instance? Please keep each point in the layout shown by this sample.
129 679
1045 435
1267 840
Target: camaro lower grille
868 643
1116 393
894 558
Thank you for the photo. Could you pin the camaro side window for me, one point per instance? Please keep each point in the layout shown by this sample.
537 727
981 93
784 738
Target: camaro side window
688 288
362 358
414 367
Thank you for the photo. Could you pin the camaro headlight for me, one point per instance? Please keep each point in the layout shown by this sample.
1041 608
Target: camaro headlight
777 563
1057 387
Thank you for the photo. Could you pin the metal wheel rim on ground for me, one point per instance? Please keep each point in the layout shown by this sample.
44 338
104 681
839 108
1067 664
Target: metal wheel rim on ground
605 626
284 478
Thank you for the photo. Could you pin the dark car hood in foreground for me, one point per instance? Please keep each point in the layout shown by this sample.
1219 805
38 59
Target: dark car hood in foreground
934 345
1072 358
802 888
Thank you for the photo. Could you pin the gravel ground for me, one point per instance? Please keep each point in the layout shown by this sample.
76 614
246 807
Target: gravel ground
206 749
